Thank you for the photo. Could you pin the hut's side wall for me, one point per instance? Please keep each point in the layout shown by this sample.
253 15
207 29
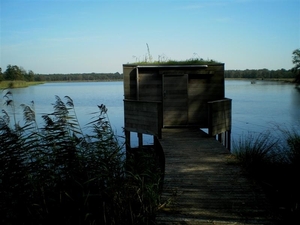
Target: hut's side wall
129 82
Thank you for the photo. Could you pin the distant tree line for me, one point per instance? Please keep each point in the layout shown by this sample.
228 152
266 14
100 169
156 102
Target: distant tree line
270 74
14 72
79 77
260 74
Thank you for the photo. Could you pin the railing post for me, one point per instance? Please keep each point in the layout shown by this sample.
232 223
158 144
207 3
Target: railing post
229 140
140 138
127 140
219 120
220 139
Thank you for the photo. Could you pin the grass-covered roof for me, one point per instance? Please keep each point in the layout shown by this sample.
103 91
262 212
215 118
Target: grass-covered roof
175 62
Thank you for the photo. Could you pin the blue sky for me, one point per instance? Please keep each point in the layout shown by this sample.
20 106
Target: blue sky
81 36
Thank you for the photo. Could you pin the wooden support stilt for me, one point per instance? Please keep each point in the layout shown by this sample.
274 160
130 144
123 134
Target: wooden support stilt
229 140
220 138
140 137
127 140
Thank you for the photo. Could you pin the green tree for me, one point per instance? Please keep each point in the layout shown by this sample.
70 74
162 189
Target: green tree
29 76
1 75
13 73
296 62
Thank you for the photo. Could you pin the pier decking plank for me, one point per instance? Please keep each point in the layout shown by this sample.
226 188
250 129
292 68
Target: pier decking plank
203 186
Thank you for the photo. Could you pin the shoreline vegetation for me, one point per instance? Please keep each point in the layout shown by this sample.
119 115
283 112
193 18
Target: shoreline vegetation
275 166
56 174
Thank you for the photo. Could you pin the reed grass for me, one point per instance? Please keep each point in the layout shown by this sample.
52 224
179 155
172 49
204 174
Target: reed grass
276 166
56 174
255 151
292 146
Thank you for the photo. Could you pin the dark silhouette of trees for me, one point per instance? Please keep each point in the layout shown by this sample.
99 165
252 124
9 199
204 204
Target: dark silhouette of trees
29 76
296 62
260 74
79 77
1 75
13 73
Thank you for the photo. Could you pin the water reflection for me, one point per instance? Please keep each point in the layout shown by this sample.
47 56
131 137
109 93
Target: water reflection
265 105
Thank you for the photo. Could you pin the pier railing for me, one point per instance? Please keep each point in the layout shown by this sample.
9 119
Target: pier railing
219 116
146 117
142 117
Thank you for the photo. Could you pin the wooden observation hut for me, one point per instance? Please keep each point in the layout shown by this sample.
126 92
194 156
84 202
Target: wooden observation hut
165 96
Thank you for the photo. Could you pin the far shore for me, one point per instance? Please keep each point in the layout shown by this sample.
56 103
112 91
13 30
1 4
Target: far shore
18 84
23 84
289 80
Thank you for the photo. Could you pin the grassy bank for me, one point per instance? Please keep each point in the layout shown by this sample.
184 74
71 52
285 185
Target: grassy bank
276 167
17 84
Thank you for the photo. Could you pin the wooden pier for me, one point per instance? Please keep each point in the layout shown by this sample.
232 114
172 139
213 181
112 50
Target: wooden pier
204 185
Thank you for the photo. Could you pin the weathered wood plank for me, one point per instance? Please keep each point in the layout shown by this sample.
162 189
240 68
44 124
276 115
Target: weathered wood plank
204 185
143 117
219 113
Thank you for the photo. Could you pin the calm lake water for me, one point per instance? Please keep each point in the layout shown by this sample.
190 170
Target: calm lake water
257 107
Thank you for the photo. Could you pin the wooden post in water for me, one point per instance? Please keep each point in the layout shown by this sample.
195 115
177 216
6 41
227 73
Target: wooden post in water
140 137
219 114
127 140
